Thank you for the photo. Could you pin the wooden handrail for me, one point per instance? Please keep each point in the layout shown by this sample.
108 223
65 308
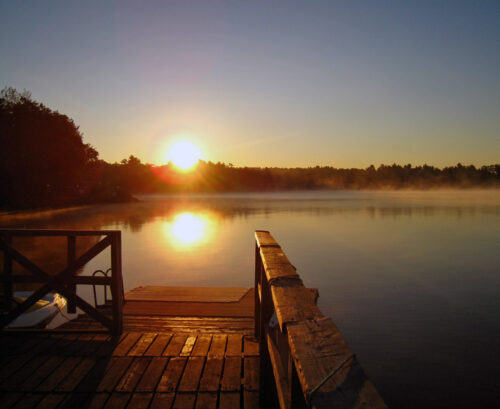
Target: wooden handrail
305 361
65 281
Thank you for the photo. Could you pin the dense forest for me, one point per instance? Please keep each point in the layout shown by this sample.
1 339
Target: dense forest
44 162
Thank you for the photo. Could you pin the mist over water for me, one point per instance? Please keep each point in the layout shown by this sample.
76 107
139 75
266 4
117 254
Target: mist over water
411 278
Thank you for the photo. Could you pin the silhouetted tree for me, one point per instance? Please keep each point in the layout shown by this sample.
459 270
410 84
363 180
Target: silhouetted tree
42 155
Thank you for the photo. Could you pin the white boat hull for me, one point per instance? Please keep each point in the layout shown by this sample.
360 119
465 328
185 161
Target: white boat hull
40 317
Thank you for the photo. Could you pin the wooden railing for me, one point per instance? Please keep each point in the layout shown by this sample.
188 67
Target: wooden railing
305 362
65 281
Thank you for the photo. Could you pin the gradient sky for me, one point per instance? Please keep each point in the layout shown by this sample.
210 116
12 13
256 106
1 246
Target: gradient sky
346 84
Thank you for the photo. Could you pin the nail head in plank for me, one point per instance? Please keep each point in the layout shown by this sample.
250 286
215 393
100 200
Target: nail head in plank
231 378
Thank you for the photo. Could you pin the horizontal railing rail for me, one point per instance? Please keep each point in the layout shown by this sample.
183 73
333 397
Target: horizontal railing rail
66 280
305 362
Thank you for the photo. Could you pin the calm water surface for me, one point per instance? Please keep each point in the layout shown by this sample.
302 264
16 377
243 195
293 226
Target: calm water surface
412 279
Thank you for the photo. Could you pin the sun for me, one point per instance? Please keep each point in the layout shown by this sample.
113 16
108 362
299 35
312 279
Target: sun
184 155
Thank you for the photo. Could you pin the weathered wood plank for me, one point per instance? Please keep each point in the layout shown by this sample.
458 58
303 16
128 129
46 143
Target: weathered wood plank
175 345
218 346
117 401
234 345
317 348
231 378
140 401
184 401
251 346
134 373
40 374
186 294
211 377
293 302
77 375
63 370
152 375
264 238
251 373
162 401
116 368
171 375
251 400
188 346
158 345
28 401
192 373
202 345
280 376
142 344
206 401
229 400
276 264
97 401
127 343
51 401
12 383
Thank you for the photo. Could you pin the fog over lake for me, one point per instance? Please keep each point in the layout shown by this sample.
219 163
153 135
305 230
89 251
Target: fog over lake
410 278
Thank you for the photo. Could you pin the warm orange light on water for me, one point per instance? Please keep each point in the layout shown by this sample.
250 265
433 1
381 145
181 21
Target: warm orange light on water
188 229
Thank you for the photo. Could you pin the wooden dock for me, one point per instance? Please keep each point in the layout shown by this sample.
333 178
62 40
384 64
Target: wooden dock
168 360
179 347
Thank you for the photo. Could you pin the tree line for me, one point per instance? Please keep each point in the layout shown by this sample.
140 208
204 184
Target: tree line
44 162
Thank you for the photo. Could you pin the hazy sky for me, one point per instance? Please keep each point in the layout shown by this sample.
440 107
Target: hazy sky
266 83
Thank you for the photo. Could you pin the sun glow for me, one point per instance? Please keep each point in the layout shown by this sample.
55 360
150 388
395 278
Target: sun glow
184 155
188 229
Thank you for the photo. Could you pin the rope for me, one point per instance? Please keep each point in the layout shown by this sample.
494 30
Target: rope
333 372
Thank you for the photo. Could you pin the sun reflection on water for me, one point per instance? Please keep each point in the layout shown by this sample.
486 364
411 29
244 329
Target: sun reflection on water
188 229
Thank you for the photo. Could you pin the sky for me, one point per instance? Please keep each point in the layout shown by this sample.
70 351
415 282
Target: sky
293 84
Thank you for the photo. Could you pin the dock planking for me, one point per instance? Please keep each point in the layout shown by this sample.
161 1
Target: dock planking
159 361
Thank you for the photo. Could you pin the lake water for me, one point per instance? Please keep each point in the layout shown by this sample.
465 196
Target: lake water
412 279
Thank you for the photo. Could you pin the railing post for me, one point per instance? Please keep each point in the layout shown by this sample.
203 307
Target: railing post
71 256
268 393
7 274
297 400
258 268
117 283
